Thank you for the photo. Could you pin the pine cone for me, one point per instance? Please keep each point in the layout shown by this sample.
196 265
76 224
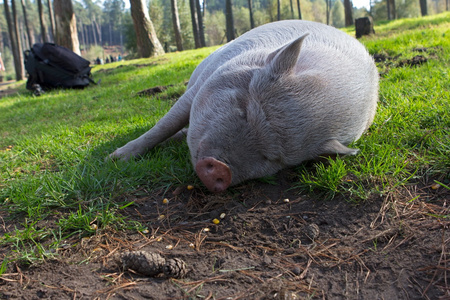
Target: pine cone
175 268
145 263
312 231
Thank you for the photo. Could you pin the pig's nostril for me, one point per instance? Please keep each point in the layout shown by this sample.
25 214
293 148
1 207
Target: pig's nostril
215 174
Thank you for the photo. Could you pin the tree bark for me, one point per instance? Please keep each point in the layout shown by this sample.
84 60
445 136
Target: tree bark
25 19
278 10
52 19
299 10
392 15
147 41
327 11
86 35
42 22
99 32
201 31
176 25
94 36
194 24
423 7
292 9
66 34
83 38
250 9
21 74
229 20
17 55
348 13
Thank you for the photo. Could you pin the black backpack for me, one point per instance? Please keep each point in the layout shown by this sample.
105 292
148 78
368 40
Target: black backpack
52 66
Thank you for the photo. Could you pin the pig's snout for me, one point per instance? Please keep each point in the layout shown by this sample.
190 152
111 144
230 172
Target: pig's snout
214 174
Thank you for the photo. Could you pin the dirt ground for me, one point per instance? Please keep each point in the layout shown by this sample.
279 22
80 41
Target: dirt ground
8 88
264 247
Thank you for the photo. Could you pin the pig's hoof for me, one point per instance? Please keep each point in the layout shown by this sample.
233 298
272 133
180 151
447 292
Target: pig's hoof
123 154
214 174
118 155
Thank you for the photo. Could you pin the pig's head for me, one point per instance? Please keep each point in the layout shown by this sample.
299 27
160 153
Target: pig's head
235 131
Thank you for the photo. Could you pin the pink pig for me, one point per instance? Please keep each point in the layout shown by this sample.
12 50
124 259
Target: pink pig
278 95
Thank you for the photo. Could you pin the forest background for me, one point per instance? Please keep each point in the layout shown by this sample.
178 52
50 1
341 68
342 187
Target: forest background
105 28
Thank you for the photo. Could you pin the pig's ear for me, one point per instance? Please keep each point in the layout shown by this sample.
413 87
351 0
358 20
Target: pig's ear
283 60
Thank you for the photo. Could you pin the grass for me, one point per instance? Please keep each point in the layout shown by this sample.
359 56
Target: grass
52 147
410 137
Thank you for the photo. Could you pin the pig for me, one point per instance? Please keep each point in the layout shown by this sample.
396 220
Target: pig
278 95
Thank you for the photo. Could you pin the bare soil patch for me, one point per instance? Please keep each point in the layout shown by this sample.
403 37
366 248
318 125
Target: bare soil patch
271 243
8 88
386 62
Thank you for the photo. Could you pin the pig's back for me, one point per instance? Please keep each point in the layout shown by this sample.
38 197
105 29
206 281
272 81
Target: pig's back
271 36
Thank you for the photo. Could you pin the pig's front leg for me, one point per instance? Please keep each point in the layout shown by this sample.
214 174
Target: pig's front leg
170 124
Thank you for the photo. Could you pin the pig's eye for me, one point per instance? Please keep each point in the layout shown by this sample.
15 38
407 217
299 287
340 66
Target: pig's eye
240 113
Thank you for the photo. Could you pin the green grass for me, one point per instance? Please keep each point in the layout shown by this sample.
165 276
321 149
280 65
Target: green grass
410 137
52 147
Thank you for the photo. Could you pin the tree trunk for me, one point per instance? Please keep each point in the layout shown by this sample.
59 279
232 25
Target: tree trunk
299 10
86 35
194 24
98 32
19 75
327 11
176 25
83 38
94 36
391 9
25 19
52 19
292 9
278 10
66 25
201 31
17 55
146 39
348 13
229 20
110 33
42 22
423 7
250 9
